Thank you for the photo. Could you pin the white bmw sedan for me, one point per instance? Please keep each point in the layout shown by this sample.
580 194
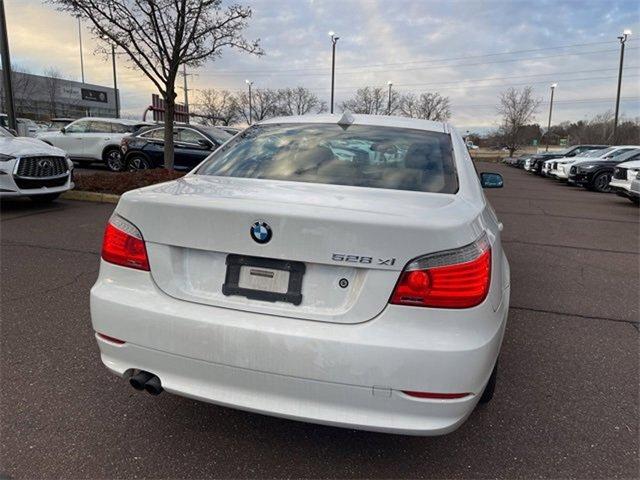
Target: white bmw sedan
343 270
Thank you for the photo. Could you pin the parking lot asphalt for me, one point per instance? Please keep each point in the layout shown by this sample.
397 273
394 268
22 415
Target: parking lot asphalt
566 403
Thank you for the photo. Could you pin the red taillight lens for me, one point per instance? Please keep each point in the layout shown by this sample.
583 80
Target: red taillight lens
452 279
436 396
123 244
117 341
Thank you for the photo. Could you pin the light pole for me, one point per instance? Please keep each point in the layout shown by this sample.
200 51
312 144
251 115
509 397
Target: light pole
334 40
249 83
389 102
115 80
6 70
623 39
186 91
553 89
80 40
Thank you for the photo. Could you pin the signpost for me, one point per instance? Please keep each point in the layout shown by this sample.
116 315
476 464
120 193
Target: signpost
181 113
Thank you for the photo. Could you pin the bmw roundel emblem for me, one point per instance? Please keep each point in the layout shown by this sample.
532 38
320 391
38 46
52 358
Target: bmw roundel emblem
261 232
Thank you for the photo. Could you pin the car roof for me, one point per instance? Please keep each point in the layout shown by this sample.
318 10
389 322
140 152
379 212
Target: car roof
123 121
359 119
631 164
628 154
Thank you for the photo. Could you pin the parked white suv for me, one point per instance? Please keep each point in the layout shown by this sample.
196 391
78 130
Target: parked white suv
623 176
31 168
339 270
93 139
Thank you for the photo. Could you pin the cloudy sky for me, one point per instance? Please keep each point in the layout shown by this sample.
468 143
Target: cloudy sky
467 50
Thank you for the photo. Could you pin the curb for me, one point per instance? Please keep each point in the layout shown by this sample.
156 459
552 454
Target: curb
90 196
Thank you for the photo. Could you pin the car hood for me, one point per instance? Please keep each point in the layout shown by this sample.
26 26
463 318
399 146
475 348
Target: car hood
572 159
632 164
21 146
590 163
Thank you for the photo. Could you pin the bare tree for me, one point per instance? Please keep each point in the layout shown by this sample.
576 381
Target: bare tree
299 101
427 106
220 107
24 90
265 103
159 36
367 100
53 82
517 108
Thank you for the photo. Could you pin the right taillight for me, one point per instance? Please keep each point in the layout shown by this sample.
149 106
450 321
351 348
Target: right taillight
457 278
123 244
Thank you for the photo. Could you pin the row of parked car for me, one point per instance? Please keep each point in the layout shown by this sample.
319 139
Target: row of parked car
42 167
601 168
134 145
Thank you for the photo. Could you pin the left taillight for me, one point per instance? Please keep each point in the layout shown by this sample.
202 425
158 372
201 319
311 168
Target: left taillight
457 278
123 244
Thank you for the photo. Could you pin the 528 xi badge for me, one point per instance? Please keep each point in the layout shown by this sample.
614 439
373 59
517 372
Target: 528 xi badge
341 257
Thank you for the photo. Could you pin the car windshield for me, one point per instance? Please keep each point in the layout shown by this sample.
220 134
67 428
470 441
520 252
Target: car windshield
219 135
360 155
597 153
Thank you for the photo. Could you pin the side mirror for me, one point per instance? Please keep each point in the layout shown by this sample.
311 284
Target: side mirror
572 154
13 132
63 130
205 143
491 180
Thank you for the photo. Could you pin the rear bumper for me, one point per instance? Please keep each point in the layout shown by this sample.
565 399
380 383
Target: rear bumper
349 375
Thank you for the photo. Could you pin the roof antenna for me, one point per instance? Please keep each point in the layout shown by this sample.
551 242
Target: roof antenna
346 120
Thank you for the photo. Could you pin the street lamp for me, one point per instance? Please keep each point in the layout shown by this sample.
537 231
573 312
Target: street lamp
334 40
115 80
623 39
249 83
80 41
389 103
553 89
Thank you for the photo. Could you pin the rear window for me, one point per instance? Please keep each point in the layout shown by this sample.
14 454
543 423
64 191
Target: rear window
217 134
360 155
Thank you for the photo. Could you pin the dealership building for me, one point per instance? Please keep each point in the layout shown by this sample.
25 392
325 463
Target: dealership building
42 98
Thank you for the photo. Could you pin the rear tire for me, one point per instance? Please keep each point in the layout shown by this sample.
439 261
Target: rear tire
44 199
138 162
113 159
601 183
489 390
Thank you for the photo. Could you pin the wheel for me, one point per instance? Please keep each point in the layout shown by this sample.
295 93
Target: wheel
138 162
42 199
487 395
113 159
601 182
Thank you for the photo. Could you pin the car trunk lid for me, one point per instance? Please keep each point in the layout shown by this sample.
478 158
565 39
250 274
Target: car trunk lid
351 241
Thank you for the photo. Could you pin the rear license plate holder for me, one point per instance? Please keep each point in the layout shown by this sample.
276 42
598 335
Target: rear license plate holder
263 267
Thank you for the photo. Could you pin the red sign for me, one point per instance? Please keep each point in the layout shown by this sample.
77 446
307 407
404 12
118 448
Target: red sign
181 113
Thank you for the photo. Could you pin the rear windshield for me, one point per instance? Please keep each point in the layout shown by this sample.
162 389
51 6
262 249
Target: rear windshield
219 135
360 155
